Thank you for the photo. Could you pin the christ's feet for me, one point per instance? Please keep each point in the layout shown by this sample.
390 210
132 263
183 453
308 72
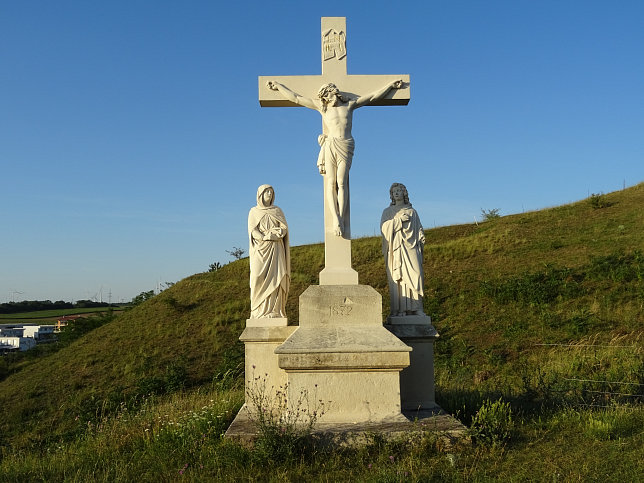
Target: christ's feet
338 229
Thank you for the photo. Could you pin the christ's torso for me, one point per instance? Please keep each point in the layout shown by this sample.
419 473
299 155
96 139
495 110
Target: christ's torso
338 120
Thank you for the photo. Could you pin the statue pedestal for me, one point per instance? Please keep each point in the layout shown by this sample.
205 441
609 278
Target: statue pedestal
260 339
416 381
341 354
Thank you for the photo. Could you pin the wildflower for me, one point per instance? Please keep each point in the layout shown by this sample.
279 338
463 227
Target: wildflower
391 458
369 466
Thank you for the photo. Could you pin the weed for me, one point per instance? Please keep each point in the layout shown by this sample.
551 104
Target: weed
614 423
230 370
284 425
492 424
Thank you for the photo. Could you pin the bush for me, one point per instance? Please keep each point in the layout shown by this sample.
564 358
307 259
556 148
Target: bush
598 201
492 424
490 214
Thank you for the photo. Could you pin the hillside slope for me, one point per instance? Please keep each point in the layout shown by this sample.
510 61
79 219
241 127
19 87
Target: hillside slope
495 290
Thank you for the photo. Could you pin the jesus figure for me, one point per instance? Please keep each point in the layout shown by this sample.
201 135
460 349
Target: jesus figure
336 142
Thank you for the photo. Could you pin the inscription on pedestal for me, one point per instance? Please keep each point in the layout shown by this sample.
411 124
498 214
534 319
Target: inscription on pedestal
340 310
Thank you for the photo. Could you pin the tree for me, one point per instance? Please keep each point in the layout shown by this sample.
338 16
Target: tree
236 252
142 297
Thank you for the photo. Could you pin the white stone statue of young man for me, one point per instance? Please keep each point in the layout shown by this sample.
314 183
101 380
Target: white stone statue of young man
336 142
403 240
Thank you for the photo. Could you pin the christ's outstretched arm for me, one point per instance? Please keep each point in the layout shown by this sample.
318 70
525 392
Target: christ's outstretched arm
292 96
376 96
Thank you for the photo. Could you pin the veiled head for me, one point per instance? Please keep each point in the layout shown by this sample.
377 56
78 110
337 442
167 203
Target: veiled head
265 196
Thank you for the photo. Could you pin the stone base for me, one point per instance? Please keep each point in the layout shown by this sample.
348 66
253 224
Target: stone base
267 322
413 425
409 320
416 381
342 355
261 369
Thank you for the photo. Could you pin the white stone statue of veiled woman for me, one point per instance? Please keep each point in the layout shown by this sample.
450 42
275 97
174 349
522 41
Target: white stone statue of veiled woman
402 245
270 263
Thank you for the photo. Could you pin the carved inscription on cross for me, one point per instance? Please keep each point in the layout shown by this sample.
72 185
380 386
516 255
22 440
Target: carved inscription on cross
335 95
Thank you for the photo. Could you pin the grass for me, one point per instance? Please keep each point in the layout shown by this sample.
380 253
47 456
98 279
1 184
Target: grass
541 311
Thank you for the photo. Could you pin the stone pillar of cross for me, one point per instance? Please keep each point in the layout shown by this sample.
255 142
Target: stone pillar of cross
337 249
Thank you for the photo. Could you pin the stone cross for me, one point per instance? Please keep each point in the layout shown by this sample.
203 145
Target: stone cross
293 91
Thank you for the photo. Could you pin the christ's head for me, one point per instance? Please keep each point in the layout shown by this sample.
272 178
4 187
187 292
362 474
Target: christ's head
330 94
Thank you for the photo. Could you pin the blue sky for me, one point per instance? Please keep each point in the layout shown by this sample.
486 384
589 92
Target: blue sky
132 142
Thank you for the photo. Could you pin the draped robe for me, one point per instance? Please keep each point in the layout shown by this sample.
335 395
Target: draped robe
270 264
402 246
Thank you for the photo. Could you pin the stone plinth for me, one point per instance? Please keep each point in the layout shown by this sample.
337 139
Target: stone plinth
341 354
417 380
452 434
260 339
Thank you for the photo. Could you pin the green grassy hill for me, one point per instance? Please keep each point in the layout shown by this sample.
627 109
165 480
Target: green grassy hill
518 301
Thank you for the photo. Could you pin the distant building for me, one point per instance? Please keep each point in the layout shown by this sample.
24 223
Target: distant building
41 333
12 330
63 321
22 338
13 343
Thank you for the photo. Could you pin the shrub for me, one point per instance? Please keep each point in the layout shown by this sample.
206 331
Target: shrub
490 214
598 201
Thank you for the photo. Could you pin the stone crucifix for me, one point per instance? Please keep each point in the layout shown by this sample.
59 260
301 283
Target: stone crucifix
335 95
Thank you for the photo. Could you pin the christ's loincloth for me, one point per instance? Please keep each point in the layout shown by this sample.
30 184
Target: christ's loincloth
334 151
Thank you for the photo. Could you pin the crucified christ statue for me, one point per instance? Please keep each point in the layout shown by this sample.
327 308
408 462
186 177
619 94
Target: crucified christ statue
336 142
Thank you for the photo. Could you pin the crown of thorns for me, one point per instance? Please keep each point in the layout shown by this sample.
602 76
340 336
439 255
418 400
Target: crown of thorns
326 89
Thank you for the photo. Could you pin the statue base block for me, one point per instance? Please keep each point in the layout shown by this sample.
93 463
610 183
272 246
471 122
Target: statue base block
416 381
259 354
342 355
267 322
